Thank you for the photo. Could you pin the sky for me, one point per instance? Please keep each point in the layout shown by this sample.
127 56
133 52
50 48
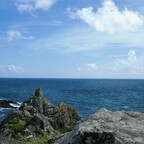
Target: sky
72 39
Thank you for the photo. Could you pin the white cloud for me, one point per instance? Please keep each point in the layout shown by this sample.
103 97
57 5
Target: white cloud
32 5
132 55
88 68
109 18
132 65
92 67
15 35
11 68
44 4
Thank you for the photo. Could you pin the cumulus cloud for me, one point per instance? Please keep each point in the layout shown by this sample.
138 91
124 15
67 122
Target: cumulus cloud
11 68
109 18
32 5
15 35
133 64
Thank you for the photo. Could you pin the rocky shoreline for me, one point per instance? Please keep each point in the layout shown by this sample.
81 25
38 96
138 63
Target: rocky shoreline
8 104
38 121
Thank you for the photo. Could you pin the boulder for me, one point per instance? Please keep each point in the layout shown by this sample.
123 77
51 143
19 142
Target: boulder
106 127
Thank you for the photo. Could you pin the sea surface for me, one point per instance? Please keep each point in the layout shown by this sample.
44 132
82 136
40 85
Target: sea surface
86 95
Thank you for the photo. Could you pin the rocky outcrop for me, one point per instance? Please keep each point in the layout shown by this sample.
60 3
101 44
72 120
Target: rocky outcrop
38 119
8 104
106 127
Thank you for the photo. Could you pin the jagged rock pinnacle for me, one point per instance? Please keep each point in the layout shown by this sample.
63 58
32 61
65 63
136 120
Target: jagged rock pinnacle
38 92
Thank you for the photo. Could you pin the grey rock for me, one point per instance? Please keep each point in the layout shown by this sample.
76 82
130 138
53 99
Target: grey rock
106 127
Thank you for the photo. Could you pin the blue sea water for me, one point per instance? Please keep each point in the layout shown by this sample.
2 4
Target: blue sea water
86 95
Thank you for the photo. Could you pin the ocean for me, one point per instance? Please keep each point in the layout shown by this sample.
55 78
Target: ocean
86 95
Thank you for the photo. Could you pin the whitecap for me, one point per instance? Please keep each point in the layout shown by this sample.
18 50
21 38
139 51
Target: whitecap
17 105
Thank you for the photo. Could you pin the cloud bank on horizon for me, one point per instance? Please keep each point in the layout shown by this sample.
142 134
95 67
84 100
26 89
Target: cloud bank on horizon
76 39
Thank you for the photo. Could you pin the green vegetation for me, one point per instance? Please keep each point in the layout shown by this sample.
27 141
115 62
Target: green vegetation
16 125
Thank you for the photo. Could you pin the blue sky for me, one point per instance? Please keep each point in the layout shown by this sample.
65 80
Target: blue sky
72 38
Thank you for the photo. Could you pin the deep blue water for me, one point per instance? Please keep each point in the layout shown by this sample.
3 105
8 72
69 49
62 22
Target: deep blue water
86 95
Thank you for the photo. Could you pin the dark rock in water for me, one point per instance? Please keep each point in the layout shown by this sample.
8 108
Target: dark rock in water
106 127
37 118
7 104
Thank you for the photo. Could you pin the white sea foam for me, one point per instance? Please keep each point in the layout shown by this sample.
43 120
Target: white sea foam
2 109
17 105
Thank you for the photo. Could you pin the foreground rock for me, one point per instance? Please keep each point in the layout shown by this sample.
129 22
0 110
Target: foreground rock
106 127
37 121
8 104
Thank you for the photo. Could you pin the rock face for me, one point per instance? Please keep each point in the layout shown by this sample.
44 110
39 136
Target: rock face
106 127
7 104
37 118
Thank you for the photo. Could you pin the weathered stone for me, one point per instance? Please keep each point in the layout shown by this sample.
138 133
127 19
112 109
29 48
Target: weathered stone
106 127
